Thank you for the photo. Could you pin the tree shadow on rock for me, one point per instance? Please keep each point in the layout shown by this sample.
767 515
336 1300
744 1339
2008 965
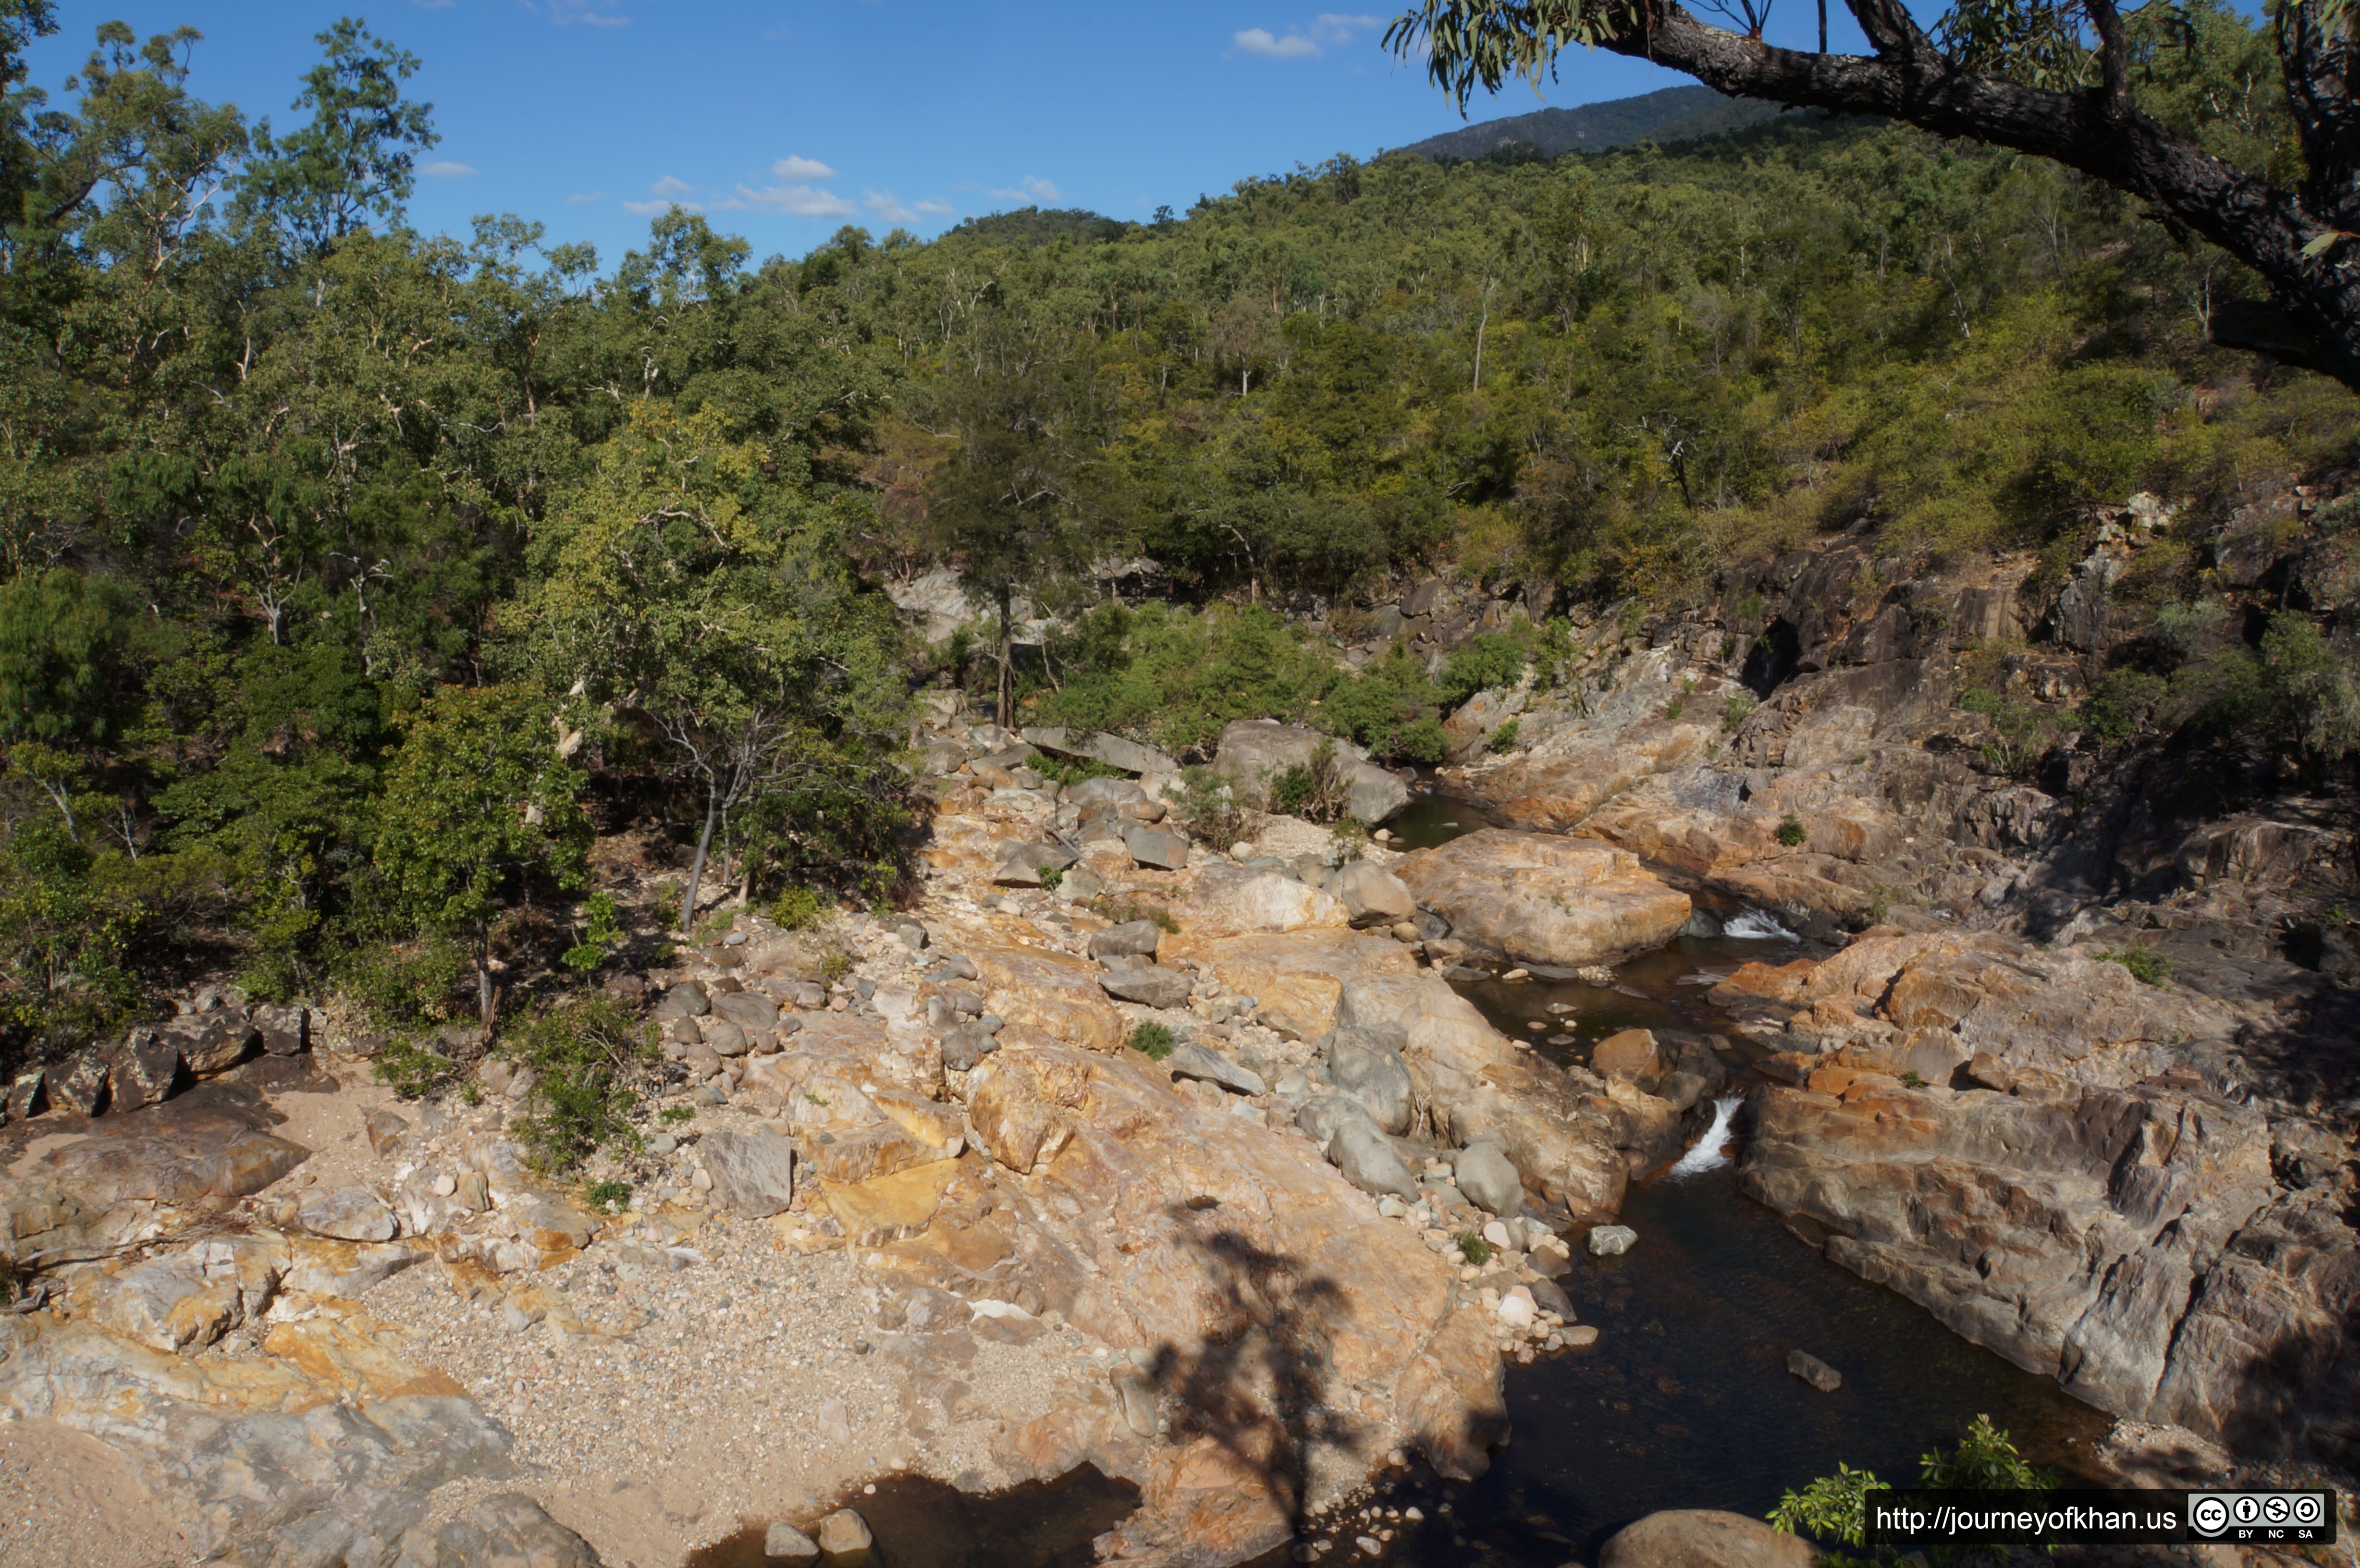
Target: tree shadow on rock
1263 1385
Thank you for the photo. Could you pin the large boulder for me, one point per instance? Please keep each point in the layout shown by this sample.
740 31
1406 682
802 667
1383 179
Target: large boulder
1230 900
753 1173
1703 1538
1367 1065
2085 1202
1255 751
1148 985
1296 978
1372 895
1545 900
1131 755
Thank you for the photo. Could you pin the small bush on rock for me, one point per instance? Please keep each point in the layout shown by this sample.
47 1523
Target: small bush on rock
1152 1041
2153 968
1792 832
590 1059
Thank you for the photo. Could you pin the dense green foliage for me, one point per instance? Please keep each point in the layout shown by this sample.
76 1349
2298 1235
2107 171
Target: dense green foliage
318 627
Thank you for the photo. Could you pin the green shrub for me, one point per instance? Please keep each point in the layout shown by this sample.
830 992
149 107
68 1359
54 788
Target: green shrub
796 909
676 1116
2153 968
2118 705
1791 830
1122 911
1473 1248
1152 1041
1504 739
1316 790
1736 711
1051 878
1481 663
834 965
590 1061
602 933
609 1197
1210 809
412 1068
1072 770
2021 731
1348 837
1833 1509
408 985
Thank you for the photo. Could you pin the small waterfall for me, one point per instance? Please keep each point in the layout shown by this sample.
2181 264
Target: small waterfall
1756 926
1707 1155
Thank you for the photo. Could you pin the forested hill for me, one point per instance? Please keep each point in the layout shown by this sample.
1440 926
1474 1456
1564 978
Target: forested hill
326 541
1669 115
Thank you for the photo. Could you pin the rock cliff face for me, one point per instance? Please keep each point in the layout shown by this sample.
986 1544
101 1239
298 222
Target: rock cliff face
2069 1167
2142 1186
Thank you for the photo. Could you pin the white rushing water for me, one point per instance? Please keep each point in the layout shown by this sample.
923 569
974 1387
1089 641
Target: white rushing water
1756 926
1708 1155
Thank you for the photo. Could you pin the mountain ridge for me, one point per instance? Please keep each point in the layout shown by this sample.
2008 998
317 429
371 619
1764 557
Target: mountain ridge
1669 115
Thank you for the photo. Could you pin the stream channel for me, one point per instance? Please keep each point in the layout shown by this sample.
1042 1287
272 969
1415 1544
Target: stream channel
1683 1402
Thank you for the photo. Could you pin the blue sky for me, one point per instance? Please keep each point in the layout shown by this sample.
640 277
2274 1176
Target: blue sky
784 119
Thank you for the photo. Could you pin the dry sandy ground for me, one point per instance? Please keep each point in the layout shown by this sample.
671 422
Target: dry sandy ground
69 1501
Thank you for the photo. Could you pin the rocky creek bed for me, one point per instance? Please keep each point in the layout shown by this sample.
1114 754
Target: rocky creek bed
911 1215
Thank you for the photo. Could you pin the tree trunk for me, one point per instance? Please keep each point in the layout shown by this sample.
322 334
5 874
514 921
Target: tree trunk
696 866
1006 667
484 976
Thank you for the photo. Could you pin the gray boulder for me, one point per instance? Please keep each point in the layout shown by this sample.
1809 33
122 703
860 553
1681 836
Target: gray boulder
749 1010
782 1542
1020 865
1130 756
348 1214
1373 896
1696 1074
1148 985
1190 1060
1703 1538
1369 1067
1132 937
1154 847
285 1030
686 1001
753 1173
1254 750
142 1071
1324 1116
1490 1179
1369 1161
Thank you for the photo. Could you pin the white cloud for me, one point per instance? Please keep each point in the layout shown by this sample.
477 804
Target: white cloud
1032 188
1330 29
1260 42
794 200
668 185
651 209
889 207
585 196
934 209
801 168
445 169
